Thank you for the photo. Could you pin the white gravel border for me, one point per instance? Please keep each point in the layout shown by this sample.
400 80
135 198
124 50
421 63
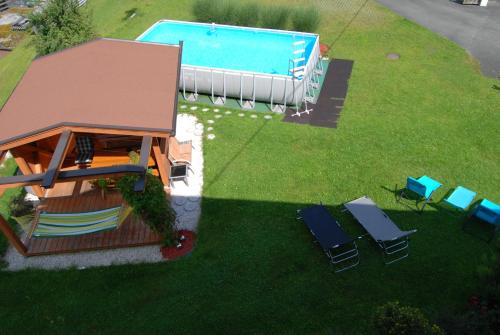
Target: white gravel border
186 201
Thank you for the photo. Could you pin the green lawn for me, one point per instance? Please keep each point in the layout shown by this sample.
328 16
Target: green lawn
255 269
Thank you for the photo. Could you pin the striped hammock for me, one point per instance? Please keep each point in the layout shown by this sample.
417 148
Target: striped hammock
74 224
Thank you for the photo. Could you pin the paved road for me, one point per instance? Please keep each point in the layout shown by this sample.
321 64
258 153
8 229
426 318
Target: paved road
475 28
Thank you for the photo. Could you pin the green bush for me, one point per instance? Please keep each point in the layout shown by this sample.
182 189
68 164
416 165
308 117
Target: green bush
225 11
305 19
151 205
61 25
275 17
246 15
203 10
18 206
394 319
229 12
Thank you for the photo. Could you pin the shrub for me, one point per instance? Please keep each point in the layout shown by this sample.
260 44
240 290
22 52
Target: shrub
18 206
151 205
394 319
203 10
224 11
246 15
305 19
61 25
275 17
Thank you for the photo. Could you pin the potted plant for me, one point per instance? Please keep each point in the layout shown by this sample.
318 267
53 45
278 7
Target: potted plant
103 184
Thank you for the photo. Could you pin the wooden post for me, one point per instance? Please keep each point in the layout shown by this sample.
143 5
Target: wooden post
160 162
77 188
26 170
147 142
12 237
62 148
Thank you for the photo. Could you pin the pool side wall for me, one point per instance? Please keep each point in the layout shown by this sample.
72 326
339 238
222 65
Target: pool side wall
275 89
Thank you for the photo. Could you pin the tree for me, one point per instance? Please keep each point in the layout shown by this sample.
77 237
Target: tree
61 25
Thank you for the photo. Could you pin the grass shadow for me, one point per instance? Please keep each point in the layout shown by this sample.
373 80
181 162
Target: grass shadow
407 199
479 229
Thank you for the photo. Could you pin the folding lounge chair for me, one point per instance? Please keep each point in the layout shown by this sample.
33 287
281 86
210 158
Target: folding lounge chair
340 248
423 187
393 241
489 212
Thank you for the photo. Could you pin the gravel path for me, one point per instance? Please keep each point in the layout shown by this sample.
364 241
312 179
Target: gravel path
186 201
81 260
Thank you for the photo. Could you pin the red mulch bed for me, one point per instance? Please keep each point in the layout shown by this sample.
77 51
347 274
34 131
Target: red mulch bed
323 49
171 253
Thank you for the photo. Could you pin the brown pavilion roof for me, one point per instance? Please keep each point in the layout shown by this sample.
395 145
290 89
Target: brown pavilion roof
104 83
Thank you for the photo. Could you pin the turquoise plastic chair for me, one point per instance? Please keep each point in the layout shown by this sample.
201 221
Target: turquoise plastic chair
424 187
461 198
489 212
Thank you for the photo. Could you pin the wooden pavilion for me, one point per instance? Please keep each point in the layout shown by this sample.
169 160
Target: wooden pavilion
74 117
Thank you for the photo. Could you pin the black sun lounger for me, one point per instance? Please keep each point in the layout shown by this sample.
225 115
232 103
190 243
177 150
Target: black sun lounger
393 241
340 248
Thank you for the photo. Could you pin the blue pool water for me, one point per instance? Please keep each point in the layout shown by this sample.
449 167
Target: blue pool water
233 48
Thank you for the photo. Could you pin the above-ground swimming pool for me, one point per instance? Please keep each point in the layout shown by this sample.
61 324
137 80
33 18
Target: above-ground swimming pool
246 63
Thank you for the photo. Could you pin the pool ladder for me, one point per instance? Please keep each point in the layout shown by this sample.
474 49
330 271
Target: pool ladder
297 68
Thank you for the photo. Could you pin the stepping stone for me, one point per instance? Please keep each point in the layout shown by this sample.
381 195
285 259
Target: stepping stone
216 110
218 116
227 112
190 206
194 199
268 117
393 56
193 108
179 200
210 121
183 106
205 109
210 136
241 114
210 128
253 116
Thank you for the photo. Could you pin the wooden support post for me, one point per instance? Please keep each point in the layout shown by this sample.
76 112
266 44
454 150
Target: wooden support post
160 162
26 170
57 160
12 237
147 142
77 188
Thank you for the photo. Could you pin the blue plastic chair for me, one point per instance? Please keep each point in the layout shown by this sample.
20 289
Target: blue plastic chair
488 211
461 198
424 187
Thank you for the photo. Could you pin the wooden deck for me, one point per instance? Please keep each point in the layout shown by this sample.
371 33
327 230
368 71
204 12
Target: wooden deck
133 232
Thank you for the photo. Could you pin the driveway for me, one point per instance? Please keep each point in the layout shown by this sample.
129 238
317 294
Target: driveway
475 28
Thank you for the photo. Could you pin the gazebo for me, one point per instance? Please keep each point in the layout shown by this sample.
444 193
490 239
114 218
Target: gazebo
74 117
